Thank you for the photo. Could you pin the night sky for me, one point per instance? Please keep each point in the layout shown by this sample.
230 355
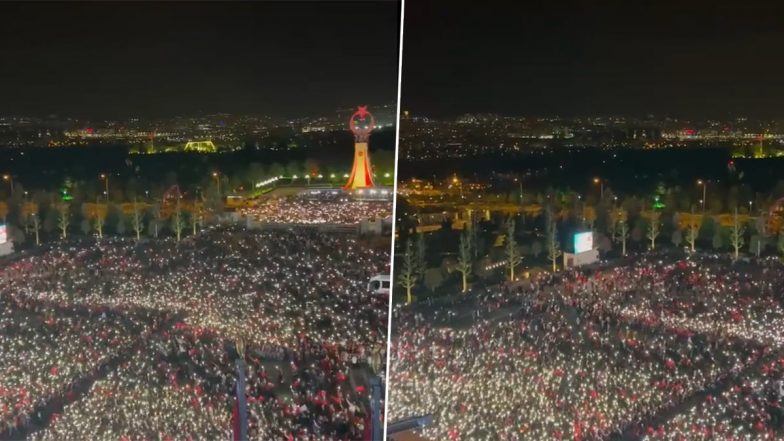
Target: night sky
695 59
114 60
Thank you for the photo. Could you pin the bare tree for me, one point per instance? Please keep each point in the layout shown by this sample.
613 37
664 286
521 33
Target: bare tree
654 228
407 277
36 225
621 229
553 245
693 232
137 220
197 216
156 219
464 260
513 257
177 221
736 234
63 219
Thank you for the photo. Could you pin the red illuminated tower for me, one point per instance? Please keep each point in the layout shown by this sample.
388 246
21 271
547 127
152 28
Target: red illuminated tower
361 124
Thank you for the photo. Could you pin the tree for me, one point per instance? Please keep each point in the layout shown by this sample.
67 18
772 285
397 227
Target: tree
97 212
654 228
407 277
137 220
677 238
553 245
177 221
622 230
693 232
155 220
464 259
513 257
197 216
736 234
63 219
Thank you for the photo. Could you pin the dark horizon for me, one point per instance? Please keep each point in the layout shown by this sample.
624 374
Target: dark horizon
156 60
576 58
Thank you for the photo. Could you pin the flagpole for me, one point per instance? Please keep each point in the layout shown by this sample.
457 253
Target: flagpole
376 424
241 402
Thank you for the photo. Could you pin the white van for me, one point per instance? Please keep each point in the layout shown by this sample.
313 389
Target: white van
379 284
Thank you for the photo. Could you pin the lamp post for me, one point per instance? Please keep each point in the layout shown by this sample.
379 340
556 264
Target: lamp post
105 178
520 181
600 181
10 180
216 175
704 192
242 407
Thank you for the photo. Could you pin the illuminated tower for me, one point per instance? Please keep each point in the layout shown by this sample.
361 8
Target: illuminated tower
361 124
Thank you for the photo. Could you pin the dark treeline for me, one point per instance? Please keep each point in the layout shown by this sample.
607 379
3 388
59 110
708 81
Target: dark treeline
633 170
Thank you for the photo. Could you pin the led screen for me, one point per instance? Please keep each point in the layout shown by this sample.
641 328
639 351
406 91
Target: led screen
583 242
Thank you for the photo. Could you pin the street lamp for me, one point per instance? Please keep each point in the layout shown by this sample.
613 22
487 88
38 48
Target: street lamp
600 181
105 178
10 180
750 202
216 175
520 181
704 192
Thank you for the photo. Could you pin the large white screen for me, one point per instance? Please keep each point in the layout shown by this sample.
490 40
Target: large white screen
583 242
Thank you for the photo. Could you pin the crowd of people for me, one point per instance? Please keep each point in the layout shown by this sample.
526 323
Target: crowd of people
322 210
649 348
120 340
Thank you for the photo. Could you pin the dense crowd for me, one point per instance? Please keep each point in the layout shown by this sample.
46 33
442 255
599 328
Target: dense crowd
323 210
133 341
649 349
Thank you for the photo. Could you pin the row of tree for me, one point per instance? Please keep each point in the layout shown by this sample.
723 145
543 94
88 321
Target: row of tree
99 218
474 259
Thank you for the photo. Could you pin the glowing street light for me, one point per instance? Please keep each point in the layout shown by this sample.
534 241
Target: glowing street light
704 193
216 175
600 181
10 180
105 178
